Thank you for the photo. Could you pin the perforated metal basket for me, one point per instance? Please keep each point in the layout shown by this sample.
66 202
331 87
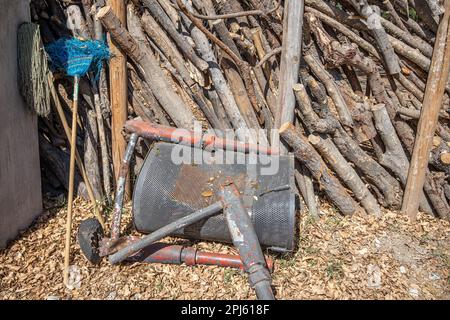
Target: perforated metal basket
166 191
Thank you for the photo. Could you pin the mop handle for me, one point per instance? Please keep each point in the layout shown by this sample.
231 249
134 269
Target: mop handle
71 180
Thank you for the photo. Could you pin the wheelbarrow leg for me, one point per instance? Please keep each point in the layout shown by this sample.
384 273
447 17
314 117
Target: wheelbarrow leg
89 229
118 201
246 241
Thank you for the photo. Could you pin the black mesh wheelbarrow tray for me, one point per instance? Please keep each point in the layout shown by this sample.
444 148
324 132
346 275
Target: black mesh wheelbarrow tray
200 186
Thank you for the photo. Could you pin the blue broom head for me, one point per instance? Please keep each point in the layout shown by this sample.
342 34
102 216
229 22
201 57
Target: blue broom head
76 57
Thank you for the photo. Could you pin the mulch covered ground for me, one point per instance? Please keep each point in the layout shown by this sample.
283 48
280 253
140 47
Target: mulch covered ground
337 258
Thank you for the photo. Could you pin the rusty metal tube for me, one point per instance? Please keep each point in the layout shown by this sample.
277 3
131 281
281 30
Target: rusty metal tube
225 260
165 231
191 138
176 254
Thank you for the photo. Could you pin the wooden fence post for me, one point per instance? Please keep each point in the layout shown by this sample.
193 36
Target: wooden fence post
432 102
119 90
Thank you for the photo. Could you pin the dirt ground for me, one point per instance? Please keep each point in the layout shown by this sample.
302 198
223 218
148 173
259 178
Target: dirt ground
337 258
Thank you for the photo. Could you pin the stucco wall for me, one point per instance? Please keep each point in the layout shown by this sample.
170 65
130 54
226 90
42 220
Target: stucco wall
20 182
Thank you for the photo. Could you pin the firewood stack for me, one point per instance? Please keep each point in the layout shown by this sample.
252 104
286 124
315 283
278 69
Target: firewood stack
347 106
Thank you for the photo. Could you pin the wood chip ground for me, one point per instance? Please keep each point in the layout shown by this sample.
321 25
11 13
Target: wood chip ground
337 258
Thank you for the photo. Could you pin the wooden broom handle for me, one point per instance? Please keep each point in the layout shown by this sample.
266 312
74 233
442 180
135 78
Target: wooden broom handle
73 148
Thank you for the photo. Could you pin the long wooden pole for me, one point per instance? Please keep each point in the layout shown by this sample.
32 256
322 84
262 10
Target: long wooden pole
118 84
432 102
290 61
73 147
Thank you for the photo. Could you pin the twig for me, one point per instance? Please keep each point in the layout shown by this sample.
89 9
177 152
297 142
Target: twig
237 14
269 55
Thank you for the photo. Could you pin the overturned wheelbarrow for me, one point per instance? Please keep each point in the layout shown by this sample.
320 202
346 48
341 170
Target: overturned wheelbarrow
202 187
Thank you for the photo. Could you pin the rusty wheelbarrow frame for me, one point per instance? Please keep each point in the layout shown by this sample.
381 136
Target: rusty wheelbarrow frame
146 249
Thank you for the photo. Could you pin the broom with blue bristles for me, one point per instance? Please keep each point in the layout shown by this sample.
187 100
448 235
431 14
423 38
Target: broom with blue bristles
76 58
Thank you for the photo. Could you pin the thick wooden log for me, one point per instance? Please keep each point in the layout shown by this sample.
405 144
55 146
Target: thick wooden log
141 55
307 155
394 156
239 91
263 70
419 30
305 182
445 158
118 91
290 61
435 187
170 10
103 144
436 83
87 4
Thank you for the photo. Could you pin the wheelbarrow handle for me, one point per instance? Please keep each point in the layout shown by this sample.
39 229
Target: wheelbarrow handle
165 231
246 241
191 138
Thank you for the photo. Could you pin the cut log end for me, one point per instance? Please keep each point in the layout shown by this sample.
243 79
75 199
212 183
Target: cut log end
445 158
436 141
286 126
103 12
378 107
313 139
298 87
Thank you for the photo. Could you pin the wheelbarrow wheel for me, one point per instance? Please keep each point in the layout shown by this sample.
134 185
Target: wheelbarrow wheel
89 235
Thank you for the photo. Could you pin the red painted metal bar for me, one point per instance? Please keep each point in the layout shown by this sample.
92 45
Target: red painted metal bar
177 254
186 137
225 260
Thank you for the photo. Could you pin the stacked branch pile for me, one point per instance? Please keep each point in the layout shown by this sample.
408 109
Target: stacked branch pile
343 80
